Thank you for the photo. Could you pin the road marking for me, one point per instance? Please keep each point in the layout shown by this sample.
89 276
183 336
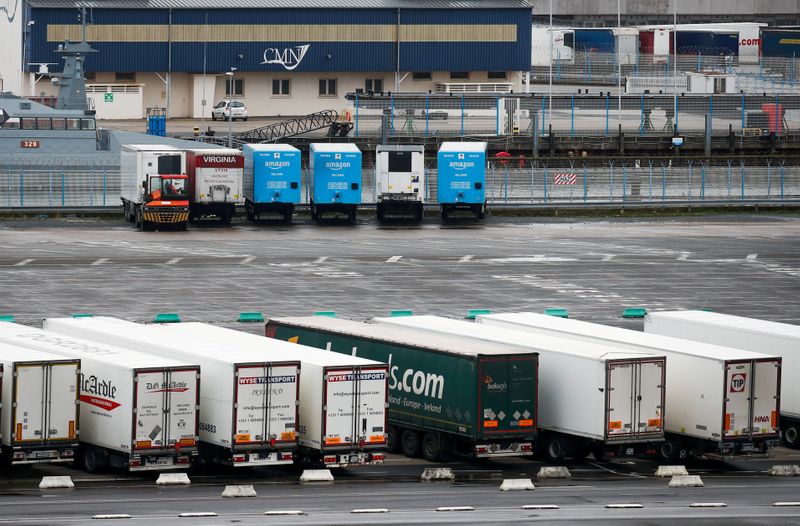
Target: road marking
321 259
708 505
23 263
751 257
455 508
248 259
684 256
99 262
197 514
624 506
394 259
370 510
608 257
539 258
539 507
284 512
112 516
609 470
465 259
173 261
783 504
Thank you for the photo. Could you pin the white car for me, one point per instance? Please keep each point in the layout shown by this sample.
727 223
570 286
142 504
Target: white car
223 110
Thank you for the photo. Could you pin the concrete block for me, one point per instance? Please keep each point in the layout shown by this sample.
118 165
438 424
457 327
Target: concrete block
553 472
671 471
430 474
708 505
239 490
784 470
517 485
686 481
624 506
56 482
316 475
173 479
370 510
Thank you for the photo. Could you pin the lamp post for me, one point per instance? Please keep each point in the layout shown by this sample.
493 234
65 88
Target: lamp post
230 108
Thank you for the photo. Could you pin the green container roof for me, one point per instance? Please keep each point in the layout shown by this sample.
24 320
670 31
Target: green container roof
250 317
167 317
557 311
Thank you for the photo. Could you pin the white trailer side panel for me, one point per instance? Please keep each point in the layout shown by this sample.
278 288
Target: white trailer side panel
779 339
240 389
590 390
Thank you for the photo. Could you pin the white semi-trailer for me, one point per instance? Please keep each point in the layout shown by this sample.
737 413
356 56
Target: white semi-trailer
779 339
592 397
343 399
39 415
216 177
138 412
248 399
399 180
722 401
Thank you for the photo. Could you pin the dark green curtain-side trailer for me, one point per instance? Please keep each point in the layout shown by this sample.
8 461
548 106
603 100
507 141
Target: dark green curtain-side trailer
447 394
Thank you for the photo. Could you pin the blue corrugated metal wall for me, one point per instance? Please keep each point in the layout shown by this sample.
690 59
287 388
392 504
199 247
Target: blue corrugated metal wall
320 57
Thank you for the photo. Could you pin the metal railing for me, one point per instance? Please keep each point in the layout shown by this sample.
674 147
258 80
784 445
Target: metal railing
516 181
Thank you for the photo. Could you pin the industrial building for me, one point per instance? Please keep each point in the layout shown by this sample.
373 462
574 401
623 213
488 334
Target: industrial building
279 57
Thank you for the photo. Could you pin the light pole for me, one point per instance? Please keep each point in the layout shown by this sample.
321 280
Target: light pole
230 108
674 64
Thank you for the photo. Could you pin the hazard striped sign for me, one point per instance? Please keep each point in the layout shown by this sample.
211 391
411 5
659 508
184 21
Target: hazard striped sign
565 178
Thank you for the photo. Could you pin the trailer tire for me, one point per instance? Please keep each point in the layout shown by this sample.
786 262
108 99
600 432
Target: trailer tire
791 435
431 448
91 459
392 439
554 452
669 450
351 215
418 213
380 213
410 443
287 217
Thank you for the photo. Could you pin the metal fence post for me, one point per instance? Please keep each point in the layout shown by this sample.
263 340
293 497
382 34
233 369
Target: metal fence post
497 116
427 113
781 165
689 193
462 115
585 185
711 112
663 182
572 117
730 176
778 116
391 127
650 178
741 171
607 94
769 179
50 186
702 181
532 165
505 183
62 188
677 111
356 123
544 183
641 116
624 181
104 186
743 123
544 115
611 181
22 188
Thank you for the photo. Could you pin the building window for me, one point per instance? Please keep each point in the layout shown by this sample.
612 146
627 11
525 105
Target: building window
497 75
421 75
327 87
124 77
280 86
459 75
238 87
373 85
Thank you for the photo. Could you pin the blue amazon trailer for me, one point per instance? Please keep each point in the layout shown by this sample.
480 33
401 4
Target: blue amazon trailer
335 179
272 180
462 178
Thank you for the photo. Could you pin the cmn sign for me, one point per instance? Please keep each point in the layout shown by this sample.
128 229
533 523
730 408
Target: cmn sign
564 178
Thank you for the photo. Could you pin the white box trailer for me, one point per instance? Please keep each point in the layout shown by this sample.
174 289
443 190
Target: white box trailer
248 399
722 401
592 397
557 47
216 179
400 180
343 399
779 339
138 411
39 416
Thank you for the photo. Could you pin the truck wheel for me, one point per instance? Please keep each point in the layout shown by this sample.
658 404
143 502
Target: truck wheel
287 217
554 452
351 215
409 443
418 213
669 450
392 439
430 447
791 435
91 459
380 213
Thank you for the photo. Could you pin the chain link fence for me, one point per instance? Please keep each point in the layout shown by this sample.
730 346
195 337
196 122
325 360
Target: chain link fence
512 182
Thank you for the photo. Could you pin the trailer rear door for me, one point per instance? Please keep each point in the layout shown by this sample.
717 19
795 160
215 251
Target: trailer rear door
738 389
507 394
620 389
29 403
766 403
266 403
44 404
635 396
165 404
650 397
355 406
63 401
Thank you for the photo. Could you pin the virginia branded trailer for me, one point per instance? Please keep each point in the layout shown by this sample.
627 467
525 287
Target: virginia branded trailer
462 178
153 186
721 401
335 179
248 400
778 339
342 420
215 183
138 411
39 416
594 398
448 394
400 180
272 180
